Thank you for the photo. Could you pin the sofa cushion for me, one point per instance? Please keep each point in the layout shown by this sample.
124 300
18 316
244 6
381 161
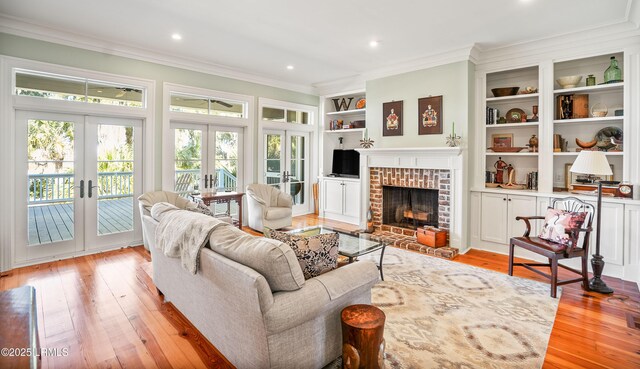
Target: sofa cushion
277 213
273 259
316 254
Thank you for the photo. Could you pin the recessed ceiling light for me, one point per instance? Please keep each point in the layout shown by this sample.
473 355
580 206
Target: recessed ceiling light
373 43
290 67
176 36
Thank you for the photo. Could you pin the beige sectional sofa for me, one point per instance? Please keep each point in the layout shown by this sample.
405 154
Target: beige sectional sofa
250 300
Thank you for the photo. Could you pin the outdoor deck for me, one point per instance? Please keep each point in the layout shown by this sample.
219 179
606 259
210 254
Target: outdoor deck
54 222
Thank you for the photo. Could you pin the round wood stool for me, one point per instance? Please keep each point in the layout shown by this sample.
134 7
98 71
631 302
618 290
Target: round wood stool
362 337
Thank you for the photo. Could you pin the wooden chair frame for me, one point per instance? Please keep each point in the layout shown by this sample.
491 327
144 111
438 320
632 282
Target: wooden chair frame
536 245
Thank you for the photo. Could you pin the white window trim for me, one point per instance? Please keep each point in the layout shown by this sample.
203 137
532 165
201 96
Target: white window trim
172 117
9 103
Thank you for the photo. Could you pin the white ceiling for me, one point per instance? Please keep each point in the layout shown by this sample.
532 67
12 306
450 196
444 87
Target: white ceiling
325 40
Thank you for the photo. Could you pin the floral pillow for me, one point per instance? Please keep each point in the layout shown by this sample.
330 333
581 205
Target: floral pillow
555 223
316 254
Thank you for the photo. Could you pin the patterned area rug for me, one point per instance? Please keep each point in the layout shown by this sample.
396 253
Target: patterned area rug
443 314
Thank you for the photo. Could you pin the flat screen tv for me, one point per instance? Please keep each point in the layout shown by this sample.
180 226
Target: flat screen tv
346 163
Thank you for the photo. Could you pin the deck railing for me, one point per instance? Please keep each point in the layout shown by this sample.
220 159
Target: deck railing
226 180
49 188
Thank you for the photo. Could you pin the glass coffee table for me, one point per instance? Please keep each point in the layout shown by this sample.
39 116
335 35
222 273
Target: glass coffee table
351 245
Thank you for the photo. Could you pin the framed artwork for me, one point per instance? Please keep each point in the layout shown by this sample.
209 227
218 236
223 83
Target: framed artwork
392 118
430 115
502 140
571 178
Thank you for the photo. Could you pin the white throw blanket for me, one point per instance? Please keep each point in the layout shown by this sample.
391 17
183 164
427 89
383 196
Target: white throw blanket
183 233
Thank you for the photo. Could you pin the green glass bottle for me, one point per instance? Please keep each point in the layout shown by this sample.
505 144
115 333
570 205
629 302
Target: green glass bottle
613 73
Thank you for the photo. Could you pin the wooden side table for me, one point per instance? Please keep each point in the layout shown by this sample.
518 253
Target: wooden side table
224 198
362 337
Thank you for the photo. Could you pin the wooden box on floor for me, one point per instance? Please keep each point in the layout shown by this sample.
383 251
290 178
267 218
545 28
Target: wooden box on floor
432 237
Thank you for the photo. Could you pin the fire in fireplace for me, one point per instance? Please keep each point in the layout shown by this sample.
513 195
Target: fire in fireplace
409 207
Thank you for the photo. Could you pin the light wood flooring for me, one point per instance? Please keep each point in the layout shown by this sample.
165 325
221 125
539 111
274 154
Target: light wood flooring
105 309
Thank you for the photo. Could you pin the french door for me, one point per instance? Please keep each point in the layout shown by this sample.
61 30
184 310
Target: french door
207 156
286 165
78 178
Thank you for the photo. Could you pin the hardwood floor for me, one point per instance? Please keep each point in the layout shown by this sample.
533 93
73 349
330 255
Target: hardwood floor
104 308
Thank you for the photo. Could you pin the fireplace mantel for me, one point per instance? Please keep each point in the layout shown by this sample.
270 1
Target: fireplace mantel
447 158
413 157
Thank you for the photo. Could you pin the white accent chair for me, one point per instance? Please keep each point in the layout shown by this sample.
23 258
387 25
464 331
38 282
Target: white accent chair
148 199
268 207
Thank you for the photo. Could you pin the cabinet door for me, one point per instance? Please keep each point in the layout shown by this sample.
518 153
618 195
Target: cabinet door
494 218
352 199
632 242
611 233
519 206
332 196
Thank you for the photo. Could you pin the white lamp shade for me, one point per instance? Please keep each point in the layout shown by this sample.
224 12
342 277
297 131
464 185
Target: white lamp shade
591 162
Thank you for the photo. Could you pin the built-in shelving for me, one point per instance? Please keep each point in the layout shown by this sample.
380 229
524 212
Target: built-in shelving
348 112
513 125
590 89
575 153
598 120
512 98
511 153
347 130
610 95
520 132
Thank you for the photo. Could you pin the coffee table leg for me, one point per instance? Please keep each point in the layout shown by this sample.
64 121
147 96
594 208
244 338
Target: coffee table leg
380 266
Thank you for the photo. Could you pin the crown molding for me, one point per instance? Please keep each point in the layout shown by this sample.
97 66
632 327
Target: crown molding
20 27
614 37
358 82
633 13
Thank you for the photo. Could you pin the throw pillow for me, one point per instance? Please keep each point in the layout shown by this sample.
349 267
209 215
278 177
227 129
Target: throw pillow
556 221
316 254
201 208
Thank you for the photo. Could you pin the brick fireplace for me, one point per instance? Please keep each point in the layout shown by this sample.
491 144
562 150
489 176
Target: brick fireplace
438 169
435 181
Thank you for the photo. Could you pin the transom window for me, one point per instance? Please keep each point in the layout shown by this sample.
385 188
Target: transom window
285 115
69 88
207 105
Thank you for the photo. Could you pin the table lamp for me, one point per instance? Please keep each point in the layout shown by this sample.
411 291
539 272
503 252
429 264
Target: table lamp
595 163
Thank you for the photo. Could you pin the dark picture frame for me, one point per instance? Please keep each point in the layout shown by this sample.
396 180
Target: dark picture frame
430 120
392 118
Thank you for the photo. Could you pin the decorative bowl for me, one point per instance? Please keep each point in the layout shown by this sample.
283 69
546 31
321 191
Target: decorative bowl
599 110
506 149
505 91
569 81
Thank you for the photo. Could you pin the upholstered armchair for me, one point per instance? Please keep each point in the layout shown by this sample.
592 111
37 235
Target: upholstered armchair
268 207
148 199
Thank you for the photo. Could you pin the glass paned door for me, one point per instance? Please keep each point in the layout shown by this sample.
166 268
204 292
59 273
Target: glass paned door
226 160
274 158
71 175
113 174
48 208
297 169
208 156
286 165
188 159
